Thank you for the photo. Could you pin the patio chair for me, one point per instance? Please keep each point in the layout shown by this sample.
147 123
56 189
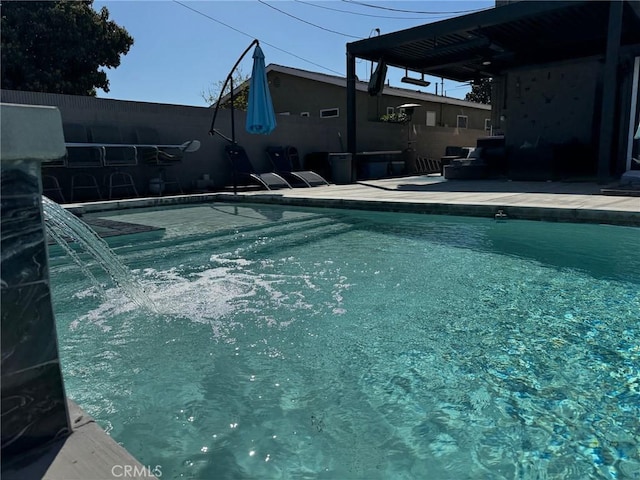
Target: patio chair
286 162
82 154
242 166
51 188
116 154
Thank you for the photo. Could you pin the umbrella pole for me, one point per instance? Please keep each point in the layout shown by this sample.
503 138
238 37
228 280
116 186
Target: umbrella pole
212 130
233 122
229 77
233 139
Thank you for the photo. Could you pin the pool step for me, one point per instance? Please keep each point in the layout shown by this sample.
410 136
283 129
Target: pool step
292 239
258 237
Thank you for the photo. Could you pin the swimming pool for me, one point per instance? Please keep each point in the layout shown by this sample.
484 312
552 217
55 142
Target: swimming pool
307 343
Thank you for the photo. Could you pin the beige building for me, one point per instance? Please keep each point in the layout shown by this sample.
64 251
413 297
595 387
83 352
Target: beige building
304 93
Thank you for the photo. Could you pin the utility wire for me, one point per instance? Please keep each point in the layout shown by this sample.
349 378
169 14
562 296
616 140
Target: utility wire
215 20
252 37
367 14
308 23
411 11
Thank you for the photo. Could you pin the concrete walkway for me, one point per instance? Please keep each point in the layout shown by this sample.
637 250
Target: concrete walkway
550 201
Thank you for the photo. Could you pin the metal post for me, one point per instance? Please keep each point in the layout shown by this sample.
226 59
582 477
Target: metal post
233 138
635 85
233 122
351 111
609 88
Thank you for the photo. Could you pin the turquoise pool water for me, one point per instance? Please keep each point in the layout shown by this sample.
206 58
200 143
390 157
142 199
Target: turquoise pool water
293 343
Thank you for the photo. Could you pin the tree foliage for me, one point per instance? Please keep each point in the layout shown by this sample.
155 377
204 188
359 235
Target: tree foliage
59 46
240 92
480 92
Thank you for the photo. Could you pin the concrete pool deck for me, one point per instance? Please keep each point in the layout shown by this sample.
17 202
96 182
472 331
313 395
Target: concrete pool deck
549 201
87 454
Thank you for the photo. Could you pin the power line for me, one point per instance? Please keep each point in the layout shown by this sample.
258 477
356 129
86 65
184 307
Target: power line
308 23
411 11
365 14
252 37
214 19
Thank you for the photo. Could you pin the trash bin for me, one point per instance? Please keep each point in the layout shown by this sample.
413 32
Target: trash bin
410 160
156 186
340 167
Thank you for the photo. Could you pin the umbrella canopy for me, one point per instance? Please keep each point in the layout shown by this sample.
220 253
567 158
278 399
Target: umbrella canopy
260 115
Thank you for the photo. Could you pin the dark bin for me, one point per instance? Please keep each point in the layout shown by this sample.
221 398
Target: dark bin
341 166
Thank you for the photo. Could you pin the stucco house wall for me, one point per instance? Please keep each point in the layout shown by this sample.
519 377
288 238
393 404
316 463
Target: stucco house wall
553 103
295 91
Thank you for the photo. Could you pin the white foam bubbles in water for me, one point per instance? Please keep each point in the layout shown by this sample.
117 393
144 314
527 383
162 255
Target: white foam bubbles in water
214 293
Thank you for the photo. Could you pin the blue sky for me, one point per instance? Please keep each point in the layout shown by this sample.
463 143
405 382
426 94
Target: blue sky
183 48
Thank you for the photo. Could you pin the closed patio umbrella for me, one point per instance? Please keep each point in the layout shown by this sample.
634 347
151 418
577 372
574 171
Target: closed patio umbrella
261 118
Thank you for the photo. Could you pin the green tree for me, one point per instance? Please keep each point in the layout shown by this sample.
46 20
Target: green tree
59 46
480 92
240 93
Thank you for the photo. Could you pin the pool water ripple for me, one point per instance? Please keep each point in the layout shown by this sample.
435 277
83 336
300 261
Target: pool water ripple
367 346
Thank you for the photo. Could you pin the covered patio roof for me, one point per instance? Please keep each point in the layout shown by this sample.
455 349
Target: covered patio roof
484 43
521 34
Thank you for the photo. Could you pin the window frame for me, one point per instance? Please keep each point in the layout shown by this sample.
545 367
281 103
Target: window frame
466 121
323 110
435 118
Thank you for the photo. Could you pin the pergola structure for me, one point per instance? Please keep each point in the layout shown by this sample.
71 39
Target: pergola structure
528 33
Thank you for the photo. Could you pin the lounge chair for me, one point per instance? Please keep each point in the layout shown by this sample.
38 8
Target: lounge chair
426 165
286 162
242 166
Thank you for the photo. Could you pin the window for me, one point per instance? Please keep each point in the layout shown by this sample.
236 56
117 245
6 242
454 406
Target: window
304 114
431 119
487 124
462 121
390 110
330 113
